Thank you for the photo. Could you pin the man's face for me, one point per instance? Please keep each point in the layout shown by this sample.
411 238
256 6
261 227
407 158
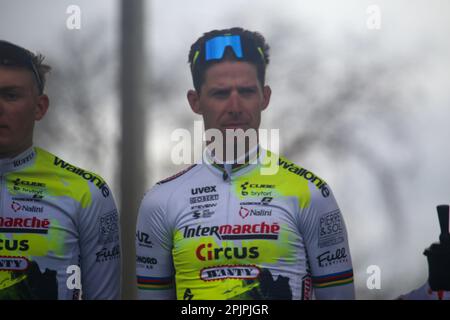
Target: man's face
231 97
20 107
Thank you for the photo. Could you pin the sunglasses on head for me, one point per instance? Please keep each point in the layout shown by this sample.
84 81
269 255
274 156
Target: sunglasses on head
215 48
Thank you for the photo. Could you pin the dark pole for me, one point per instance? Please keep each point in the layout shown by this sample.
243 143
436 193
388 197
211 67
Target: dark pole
132 150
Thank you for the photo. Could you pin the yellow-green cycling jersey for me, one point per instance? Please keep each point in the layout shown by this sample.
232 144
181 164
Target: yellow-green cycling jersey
59 231
211 232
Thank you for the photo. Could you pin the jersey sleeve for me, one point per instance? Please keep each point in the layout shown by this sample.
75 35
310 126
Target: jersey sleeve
154 264
99 237
325 237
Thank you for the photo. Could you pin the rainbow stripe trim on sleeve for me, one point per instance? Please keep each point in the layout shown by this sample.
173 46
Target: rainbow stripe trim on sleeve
332 280
153 283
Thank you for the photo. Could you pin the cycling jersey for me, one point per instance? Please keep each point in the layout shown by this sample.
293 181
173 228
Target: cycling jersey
59 231
210 232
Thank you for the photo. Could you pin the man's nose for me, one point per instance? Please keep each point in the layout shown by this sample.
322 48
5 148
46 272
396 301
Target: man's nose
234 103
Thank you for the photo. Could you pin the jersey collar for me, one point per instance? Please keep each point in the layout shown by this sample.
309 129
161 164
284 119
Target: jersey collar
20 161
243 164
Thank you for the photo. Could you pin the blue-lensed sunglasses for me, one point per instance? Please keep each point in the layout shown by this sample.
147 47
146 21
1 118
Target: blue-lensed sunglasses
215 48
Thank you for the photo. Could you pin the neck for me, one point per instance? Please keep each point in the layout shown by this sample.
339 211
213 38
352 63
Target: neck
9 154
233 156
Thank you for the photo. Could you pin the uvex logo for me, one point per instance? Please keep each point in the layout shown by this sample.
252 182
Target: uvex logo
203 190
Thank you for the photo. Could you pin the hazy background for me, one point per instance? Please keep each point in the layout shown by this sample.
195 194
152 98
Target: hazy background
368 110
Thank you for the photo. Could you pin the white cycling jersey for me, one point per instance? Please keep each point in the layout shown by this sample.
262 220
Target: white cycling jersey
59 231
214 233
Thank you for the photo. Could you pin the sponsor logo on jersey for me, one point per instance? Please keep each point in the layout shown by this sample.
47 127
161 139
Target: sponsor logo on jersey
202 190
27 158
106 254
211 197
235 232
14 245
329 258
204 206
330 229
265 201
108 227
146 262
37 189
245 272
143 239
35 199
24 225
207 252
301 172
96 180
16 206
244 212
20 182
248 189
205 213
13 263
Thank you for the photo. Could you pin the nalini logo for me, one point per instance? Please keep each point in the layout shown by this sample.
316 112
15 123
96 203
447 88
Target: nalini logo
244 212
15 206
26 208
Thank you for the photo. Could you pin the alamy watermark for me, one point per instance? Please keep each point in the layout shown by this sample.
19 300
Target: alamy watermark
73 21
374 280
227 148
373 21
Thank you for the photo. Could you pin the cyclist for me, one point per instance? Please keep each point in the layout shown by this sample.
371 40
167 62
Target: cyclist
59 229
225 228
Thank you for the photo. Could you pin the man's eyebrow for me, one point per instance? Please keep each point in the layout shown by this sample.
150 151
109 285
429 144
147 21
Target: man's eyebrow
250 86
11 88
218 89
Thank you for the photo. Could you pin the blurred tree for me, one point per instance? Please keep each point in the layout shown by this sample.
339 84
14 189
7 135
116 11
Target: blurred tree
82 99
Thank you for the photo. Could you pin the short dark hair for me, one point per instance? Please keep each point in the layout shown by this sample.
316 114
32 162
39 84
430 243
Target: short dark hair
12 55
253 38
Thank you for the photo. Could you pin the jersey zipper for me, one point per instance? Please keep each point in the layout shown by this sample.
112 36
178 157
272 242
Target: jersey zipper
228 184
1 195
